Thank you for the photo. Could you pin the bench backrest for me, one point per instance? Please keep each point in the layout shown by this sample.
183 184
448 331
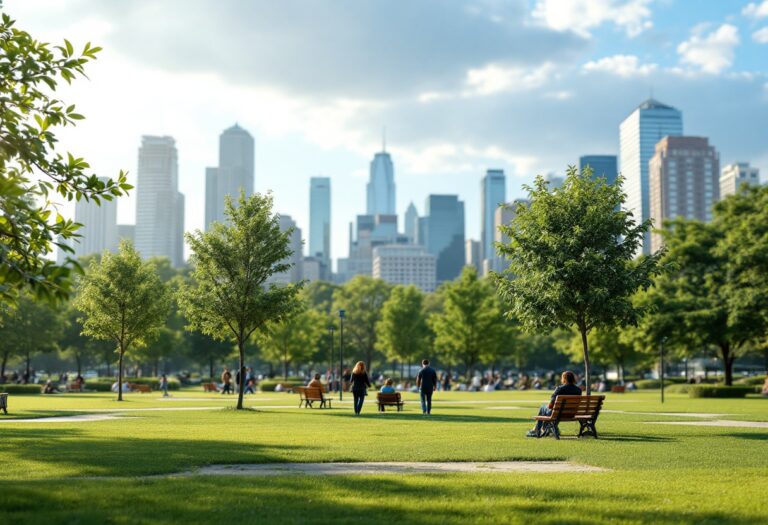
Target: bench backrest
313 393
388 398
569 407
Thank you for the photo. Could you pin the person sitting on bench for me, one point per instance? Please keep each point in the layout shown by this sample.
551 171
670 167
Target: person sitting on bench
388 387
315 383
567 388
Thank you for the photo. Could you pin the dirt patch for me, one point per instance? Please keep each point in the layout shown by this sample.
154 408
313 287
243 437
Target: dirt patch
345 469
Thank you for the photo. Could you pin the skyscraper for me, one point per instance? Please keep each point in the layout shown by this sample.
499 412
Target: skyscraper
638 135
602 166
233 174
441 232
683 180
472 255
493 190
296 259
736 174
320 218
411 223
503 217
159 205
381 186
99 231
405 264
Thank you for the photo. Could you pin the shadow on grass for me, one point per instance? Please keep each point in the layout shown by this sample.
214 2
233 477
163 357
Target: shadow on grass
434 499
72 452
645 438
417 416
756 436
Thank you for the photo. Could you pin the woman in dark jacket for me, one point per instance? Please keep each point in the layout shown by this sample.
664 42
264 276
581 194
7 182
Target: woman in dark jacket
360 385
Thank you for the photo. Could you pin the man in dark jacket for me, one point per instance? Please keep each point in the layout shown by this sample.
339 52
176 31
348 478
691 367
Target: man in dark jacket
567 388
426 380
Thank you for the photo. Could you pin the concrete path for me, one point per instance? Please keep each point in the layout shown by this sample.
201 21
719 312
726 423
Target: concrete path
65 419
325 469
715 423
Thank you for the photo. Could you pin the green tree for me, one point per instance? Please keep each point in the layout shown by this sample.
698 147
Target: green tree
31 171
122 300
319 294
402 330
571 258
362 298
31 327
294 339
608 347
229 298
470 327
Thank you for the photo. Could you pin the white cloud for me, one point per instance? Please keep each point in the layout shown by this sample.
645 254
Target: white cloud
711 53
755 10
761 36
625 66
494 78
633 16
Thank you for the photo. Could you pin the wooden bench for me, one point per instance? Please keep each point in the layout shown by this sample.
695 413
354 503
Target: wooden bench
385 400
618 389
74 387
210 387
583 410
308 395
144 389
4 402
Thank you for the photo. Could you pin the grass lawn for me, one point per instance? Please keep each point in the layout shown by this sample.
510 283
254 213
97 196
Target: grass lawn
121 470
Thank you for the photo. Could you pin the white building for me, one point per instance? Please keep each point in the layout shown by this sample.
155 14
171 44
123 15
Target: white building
405 264
159 205
736 174
296 259
320 219
638 135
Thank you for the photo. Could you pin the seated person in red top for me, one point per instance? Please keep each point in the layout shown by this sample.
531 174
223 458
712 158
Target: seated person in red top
567 388
315 383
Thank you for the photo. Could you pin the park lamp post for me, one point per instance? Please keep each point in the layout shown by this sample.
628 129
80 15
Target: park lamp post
661 366
341 352
331 328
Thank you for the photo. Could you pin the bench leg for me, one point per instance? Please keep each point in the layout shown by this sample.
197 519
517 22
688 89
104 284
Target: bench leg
587 428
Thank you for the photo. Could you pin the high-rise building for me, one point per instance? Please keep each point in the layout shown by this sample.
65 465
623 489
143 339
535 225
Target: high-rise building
638 135
159 205
493 191
381 186
99 231
602 166
736 174
320 218
554 180
683 179
405 264
441 232
472 255
233 174
503 217
371 231
411 225
296 259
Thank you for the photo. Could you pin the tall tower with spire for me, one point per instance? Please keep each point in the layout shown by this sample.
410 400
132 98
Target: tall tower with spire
381 184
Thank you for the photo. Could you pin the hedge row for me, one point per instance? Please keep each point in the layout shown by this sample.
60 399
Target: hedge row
750 381
104 384
696 391
21 389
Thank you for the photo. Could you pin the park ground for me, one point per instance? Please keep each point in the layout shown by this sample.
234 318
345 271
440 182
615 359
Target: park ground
126 469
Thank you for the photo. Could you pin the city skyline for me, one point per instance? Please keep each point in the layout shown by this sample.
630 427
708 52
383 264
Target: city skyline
449 116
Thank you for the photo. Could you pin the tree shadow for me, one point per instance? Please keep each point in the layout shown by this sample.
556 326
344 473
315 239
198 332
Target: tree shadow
639 438
756 436
417 416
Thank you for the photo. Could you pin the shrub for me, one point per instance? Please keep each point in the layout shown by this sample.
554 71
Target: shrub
696 391
678 389
646 384
21 389
268 385
750 381
104 384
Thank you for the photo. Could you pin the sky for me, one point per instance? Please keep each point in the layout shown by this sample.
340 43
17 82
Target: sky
527 86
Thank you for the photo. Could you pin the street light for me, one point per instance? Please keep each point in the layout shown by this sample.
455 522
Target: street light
661 366
341 352
331 328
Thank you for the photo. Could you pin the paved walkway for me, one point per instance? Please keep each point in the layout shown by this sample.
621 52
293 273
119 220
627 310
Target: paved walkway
65 419
324 469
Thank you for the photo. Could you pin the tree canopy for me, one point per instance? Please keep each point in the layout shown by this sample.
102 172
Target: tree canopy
571 254
32 172
403 331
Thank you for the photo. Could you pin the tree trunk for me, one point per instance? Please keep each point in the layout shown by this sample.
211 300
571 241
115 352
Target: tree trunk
79 362
28 375
728 358
285 365
210 367
240 389
585 344
120 374
4 363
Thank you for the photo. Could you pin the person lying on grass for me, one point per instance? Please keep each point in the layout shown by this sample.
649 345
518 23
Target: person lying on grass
567 388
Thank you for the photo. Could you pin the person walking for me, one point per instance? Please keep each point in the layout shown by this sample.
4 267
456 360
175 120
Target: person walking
426 380
360 385
164 385
226 382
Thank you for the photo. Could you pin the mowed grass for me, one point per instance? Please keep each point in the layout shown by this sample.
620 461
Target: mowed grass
121 471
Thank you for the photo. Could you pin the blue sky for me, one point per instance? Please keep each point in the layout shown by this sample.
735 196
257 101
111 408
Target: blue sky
523 85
